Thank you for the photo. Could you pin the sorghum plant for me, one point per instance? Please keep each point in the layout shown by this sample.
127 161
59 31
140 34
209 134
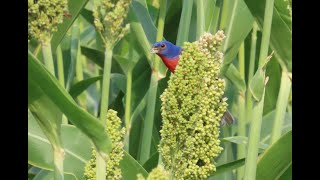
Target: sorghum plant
192 108
158 173
116 134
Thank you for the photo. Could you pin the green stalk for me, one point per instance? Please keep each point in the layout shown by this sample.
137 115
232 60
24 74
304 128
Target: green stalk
148 122
223 17
152 93
184 25
242 112
58 152
282 102
47 56
251 68
216 17
60 66
200 18
61 75
128 107
79 68
257 112
228 155
37 50
231 22
101 165
127 117
58 156
254 137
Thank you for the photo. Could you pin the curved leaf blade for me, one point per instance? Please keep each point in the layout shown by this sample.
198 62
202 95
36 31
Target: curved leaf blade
281 33
78 152
39 77
278 157
75 7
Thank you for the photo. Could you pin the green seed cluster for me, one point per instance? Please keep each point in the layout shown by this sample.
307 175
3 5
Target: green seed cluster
109 19
192 109
158 173
44 16
116 134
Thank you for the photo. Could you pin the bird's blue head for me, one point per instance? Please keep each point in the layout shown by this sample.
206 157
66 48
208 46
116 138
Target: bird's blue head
166 49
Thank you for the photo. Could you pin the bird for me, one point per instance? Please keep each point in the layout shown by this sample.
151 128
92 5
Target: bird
169 54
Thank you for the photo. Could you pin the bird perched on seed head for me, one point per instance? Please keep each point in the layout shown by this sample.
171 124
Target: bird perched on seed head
169 54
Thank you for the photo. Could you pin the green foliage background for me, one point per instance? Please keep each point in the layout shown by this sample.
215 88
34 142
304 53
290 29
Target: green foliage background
73 98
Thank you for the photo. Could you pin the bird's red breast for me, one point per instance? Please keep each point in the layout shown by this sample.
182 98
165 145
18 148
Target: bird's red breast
171 63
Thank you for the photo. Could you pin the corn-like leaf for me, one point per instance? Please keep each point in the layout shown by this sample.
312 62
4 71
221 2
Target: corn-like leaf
40 78
276 159
74 7
281 33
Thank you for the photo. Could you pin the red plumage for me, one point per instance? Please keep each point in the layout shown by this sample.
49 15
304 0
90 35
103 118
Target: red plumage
170 63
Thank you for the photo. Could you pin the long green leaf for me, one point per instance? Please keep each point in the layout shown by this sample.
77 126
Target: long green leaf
184 24
276 159
281 33
81 86
228 167
48 175
267 124
40 78
77 149
116 79
152 162
75 143
75 7
234 76
141 12
240 24
243 140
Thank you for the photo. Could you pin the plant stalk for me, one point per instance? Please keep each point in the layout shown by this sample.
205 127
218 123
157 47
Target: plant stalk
254 137
184 25
282 103
61 75
200 18
152 93
242 111
58 156
216 17
128 108
257 112
79 69
251 69
101 164
47 56
60 66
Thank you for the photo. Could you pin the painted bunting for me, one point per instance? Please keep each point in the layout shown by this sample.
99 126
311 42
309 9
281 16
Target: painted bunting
169 54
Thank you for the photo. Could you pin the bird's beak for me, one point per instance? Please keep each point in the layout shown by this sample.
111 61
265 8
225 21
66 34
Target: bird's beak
155 50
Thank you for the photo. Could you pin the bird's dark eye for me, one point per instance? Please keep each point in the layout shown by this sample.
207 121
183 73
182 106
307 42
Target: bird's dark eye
163 45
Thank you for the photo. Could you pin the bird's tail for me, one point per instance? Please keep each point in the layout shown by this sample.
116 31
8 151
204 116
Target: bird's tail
227 118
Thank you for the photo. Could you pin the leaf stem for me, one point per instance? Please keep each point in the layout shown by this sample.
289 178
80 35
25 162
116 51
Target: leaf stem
79 68
47 56
251 69
242 113
61 75
257 111
128 108
60 66
282 102
184 24
58 156
101 164
200 18
152 93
